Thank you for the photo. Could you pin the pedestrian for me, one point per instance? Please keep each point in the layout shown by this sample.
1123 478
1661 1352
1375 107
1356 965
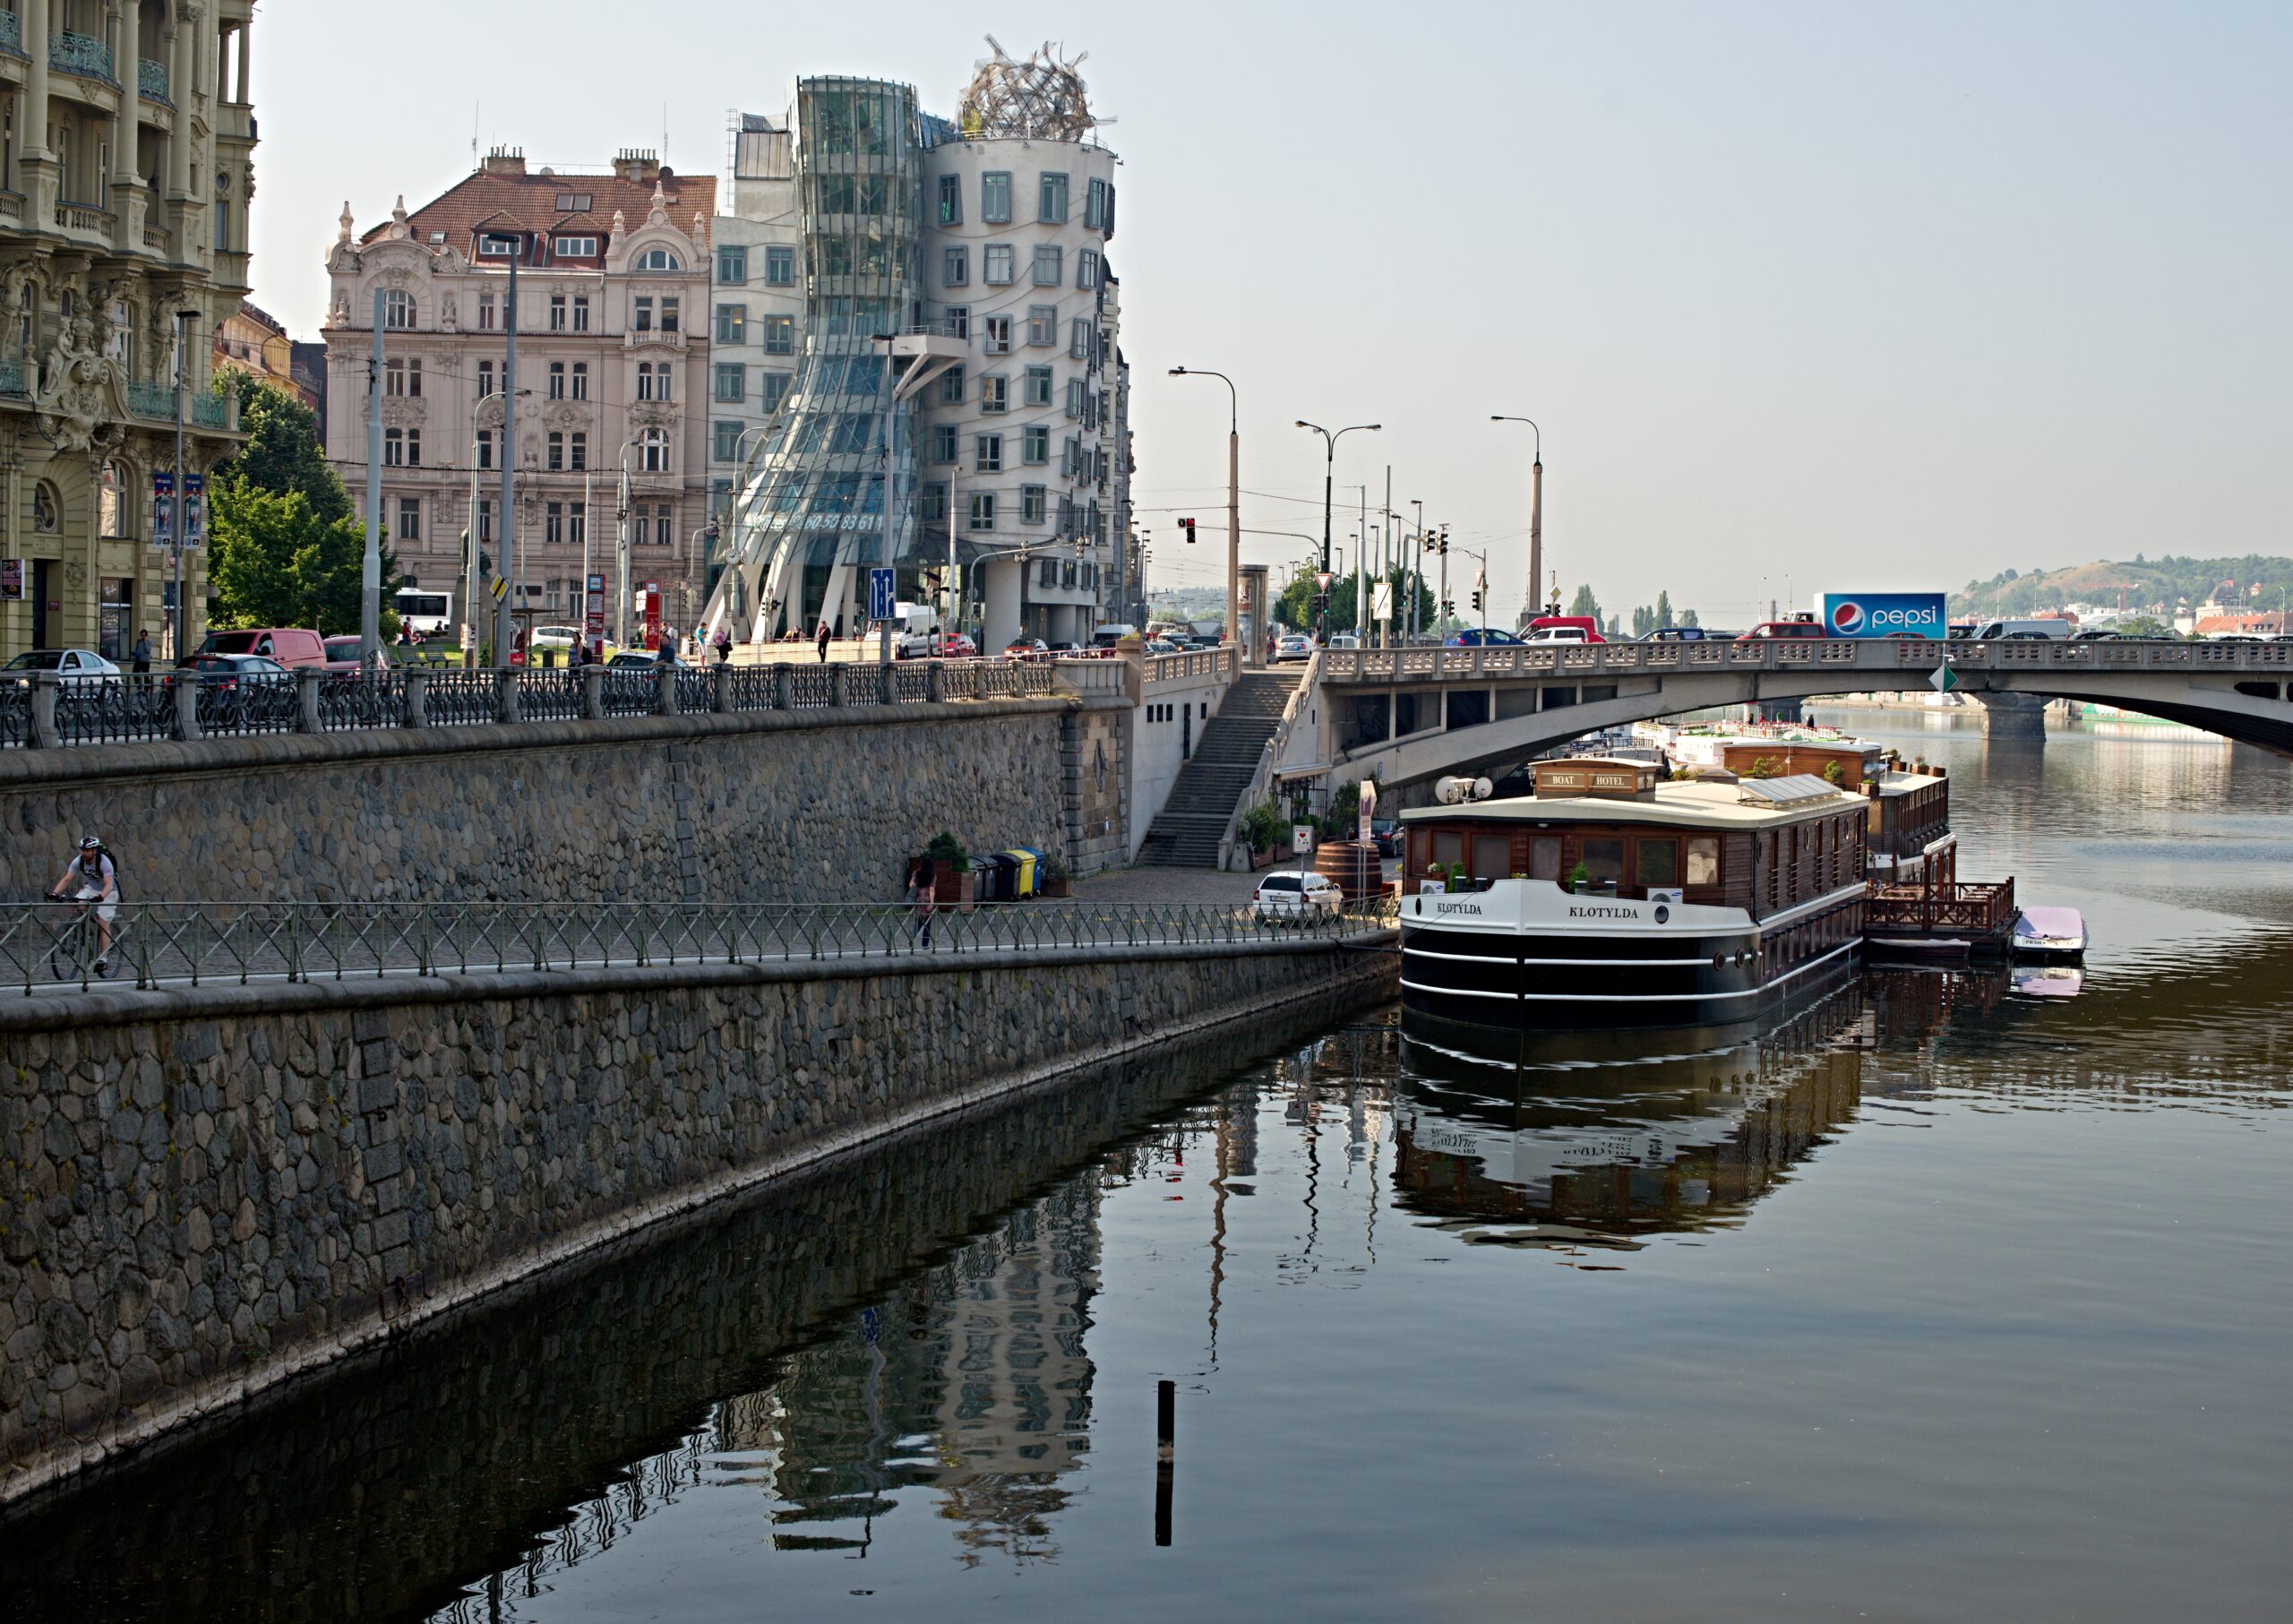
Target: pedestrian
142 655
922 876
823 641
723 645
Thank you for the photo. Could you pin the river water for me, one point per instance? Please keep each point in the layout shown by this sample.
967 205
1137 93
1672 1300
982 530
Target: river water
1940 1301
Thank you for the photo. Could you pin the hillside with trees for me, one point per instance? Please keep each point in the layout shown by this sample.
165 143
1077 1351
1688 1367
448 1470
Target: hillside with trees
2147 586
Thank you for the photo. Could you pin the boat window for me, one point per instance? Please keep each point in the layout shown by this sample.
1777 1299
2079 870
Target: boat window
1604 860
1704 860
1658 862
1493 856
1448 846
1544 857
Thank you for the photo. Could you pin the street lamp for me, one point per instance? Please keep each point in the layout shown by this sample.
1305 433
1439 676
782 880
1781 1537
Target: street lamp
1329 471
1233 509
470 638
1536 512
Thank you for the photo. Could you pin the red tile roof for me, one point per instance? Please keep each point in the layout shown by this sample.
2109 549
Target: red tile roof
531 200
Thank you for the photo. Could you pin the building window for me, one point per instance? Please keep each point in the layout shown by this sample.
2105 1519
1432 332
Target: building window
780 335
552 530
728 436
732 265
954 267
960 321
578 531
951 386
780 266
398 306
657 259
1043 324
983 509
996 265
557 312
935 500
485 520
484 380
580 313
995 394
402 377
1078 341
997 336
656 449
732 380
1032 503
581 448
485 313
987 453
668 315
664 530
943 443
557 380
771 390
644 313
1047 264
1035 445
485 448
555 456
580 380
409 518
1098 206
995 197
1075 391
1038 386
1086 269
653 383
1052 199
393 447
951 199
732 324
575 247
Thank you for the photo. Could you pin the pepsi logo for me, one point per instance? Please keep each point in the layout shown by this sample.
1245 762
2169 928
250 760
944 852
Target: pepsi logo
1848 617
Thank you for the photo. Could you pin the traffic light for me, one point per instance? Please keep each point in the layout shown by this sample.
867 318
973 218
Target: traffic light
1321 602
1448 610
1188 526
1476 597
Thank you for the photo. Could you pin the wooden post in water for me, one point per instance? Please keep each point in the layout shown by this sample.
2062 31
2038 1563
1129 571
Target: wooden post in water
1166 1403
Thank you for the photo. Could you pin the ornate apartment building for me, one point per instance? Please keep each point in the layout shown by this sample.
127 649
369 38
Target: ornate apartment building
614 274
125 174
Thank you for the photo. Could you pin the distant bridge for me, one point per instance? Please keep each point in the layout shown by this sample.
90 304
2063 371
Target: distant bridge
1407 715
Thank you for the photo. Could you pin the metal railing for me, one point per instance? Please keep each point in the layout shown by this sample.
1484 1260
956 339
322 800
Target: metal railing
1195 662
151 81
1269 761
1878 656
51 710
44 947
83 53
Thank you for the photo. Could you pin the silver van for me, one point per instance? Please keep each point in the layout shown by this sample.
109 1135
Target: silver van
2022 630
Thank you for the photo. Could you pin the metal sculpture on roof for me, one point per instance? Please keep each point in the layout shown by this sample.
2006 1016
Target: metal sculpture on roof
1042 97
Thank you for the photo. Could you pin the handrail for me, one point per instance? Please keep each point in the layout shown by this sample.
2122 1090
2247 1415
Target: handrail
46 948
1878 656
1261 784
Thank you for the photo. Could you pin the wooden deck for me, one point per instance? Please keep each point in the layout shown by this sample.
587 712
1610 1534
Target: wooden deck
1978 913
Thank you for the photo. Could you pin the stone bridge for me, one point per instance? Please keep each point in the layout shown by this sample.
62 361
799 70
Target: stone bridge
1406 715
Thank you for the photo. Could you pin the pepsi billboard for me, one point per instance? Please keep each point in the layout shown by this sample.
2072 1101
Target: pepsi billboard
1884 614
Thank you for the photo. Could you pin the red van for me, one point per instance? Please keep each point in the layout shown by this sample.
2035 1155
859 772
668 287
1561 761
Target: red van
290 646
1565 629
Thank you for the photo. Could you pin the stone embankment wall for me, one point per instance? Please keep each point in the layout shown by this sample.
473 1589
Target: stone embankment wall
203 1193
779 806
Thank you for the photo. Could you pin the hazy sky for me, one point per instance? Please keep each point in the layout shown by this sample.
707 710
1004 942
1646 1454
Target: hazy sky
1864 297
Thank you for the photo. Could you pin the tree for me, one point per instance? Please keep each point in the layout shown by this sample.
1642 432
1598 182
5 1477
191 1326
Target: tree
288 548
1663 609
1688 617
1643 620
1295 607
1584 604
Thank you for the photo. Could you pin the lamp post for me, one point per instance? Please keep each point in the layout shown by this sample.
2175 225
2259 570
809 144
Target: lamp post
184 319
469 553
1417 575
621 549
1233 509
1329 473
1536 512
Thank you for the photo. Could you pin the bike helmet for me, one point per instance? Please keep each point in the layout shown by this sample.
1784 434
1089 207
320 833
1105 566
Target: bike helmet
89 843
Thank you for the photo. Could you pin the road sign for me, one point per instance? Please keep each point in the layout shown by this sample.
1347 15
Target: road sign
883 594
1321 581
1944 680
1382 601
501 587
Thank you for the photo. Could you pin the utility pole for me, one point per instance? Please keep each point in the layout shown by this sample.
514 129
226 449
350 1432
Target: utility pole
1329 468
1233 521
1385 559
1536 512
891 468
502 628
620 554
184 319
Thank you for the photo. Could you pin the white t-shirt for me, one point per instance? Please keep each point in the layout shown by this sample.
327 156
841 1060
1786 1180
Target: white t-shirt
95 882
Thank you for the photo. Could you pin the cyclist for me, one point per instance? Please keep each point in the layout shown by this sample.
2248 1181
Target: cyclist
90 878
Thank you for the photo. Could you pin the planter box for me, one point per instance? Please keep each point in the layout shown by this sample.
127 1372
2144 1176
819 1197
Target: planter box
1054 888
952 890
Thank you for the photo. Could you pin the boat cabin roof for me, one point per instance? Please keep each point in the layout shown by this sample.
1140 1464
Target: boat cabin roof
1750 803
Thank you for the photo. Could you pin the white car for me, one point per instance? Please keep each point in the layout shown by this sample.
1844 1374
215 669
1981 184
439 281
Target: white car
1558 634
73 665
556 637
1297 899
1293 647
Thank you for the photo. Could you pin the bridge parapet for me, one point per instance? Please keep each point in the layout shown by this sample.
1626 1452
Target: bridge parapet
1545 662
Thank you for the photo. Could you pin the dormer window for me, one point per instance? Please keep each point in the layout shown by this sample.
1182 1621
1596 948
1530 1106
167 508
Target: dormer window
657 259
577 247
496 246
574 203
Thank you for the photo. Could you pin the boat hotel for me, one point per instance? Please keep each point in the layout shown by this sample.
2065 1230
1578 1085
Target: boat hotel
1608 899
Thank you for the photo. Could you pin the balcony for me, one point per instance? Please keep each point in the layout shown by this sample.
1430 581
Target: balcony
159 239
12 32
209 411
152 400
12 204
12 372
81 54
151 81
85 220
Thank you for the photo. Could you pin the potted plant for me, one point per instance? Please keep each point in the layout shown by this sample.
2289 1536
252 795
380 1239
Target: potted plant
952 880
1580 879
1053 880
1263 828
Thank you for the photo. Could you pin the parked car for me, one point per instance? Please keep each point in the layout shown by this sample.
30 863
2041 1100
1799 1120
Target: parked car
555 637
289 645
1564 634
1684 635
1294 647
70 664
2023 630
1292 897
958 646
1345 640
1808 630
242 689
1385 834
1027 649
1476 637
1163 645
1585 624
2098 635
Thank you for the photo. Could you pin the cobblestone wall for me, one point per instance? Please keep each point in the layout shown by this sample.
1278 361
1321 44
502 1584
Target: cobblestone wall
200 1201
797 806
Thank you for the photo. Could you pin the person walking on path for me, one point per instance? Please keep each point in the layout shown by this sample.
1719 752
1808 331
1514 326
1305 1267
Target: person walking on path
923 877
823 641
723 645
142 656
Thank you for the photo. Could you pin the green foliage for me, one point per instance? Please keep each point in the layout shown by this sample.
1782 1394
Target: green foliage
1834 773
283 453
1687 618
1579 877
1584 604
1346 808
1295 608
948 852
1762 768
1264 825
2142 625
1663 609
2150 586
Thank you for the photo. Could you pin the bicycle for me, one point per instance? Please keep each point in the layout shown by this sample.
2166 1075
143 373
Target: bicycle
73 945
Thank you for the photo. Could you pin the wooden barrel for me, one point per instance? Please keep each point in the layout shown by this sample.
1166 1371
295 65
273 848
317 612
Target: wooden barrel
1355 867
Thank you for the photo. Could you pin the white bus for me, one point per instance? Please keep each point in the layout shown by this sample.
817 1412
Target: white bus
428 613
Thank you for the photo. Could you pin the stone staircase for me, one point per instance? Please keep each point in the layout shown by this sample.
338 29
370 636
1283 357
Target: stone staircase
1186 832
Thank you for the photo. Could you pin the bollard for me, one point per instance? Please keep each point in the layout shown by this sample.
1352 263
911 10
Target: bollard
593 692
837 696
186 694
307 699
665 699
887 690
784 687
722 694
44 691
1166 1403
935 683
417 696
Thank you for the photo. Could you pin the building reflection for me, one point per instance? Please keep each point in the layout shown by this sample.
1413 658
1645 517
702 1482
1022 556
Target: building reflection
970 1380
1572 1148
